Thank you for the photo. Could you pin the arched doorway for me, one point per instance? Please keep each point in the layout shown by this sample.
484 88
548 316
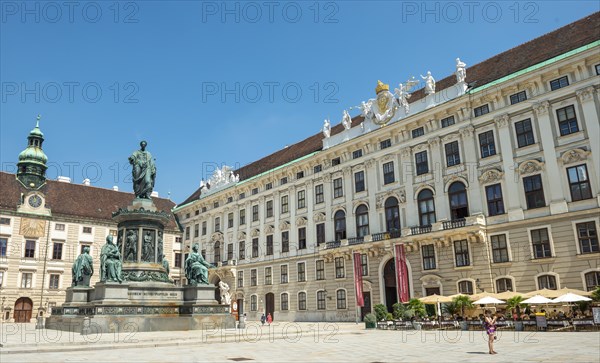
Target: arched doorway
23 309
389 283
270 305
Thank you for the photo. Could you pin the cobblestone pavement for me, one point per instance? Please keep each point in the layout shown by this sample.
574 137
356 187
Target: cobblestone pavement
296 342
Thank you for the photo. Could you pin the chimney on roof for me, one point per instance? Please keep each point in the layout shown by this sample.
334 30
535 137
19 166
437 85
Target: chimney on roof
116 188
64 179
87 182
154 194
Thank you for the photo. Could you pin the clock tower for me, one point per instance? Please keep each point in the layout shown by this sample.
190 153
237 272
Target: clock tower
32 161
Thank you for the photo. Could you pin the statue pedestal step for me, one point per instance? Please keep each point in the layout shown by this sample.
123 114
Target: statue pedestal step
77 295
110 293
200 294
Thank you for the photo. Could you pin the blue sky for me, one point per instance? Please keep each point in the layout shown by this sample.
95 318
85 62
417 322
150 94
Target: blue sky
209 84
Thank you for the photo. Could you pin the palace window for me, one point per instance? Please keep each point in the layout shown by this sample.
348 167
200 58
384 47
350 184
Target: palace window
388 173
385 144
302 300
242 217
421 163
341 299
487 146
362 220
579 183
253 303
426 207
54 281
196 230
392 215
518 97
524 133
230 220
254 191
447 121
493 194
3 246
177 262
504 284
283 180
254 247
459 206
284 204
284 274
240 279
317 168
339 220
340 272
336 161
87 230
559 83
255 213
301 199
57 249
319 196
302 238
499 248
541 243
452 153
59 226
364 266
269 245
269 207
338 190
567 121
253 277
588 237
242 250
229 251
29 249
268 186
300 175
359 181
465 287
321 303
320 269
547 282
285 241
6 221
418 132
428 252
268 276
481 110
301 272
320 233
217 252
204 228
284 301
534 191
592 280
26 280
461 253
357 154
187 232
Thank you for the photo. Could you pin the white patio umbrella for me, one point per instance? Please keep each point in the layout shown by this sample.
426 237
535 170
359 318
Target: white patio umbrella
570 297
537 299
488 300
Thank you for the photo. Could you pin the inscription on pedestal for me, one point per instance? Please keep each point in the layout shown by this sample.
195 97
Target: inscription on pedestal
155 295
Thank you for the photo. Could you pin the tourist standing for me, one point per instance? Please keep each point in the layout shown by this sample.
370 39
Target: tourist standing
269 318
490 326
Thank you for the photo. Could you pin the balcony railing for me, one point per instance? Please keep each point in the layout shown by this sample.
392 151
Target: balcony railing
386 235
333 244
356 240
455 223
420 229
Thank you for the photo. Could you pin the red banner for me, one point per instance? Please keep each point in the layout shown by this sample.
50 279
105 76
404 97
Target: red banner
401 274
358 280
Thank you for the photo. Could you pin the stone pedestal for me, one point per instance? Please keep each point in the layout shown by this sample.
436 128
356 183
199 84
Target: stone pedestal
77 295
199 295
110 293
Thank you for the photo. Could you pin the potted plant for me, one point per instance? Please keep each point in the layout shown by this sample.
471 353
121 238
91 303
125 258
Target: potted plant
370 321
461 302
515 303
380 312
398 310
416 308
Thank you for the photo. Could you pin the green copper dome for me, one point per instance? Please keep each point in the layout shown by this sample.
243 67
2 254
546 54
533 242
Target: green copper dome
32 167
33 154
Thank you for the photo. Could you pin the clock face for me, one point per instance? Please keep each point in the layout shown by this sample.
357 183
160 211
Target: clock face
35 201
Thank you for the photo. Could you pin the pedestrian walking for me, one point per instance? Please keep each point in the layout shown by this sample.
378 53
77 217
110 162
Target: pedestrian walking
263 319
269 318
490 326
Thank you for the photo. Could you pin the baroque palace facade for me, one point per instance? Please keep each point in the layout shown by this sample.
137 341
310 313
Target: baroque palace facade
44 226
490 184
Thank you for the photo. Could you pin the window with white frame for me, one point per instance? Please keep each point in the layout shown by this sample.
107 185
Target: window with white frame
284 274
268 276
428 252
320 269
301 272
461 253
26 280
504 284
340 272
499 248
321 303
253 303
587 236
341 299
53 284
301 300
465 287
388 173
284 301
547 282
540 241
592 280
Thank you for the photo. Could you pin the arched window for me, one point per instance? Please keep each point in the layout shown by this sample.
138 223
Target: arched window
459 207
341 299
284 301
217 252
592 280
504 284
340 225
302 300
362 220
465 287
426 207
392 215
547 282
